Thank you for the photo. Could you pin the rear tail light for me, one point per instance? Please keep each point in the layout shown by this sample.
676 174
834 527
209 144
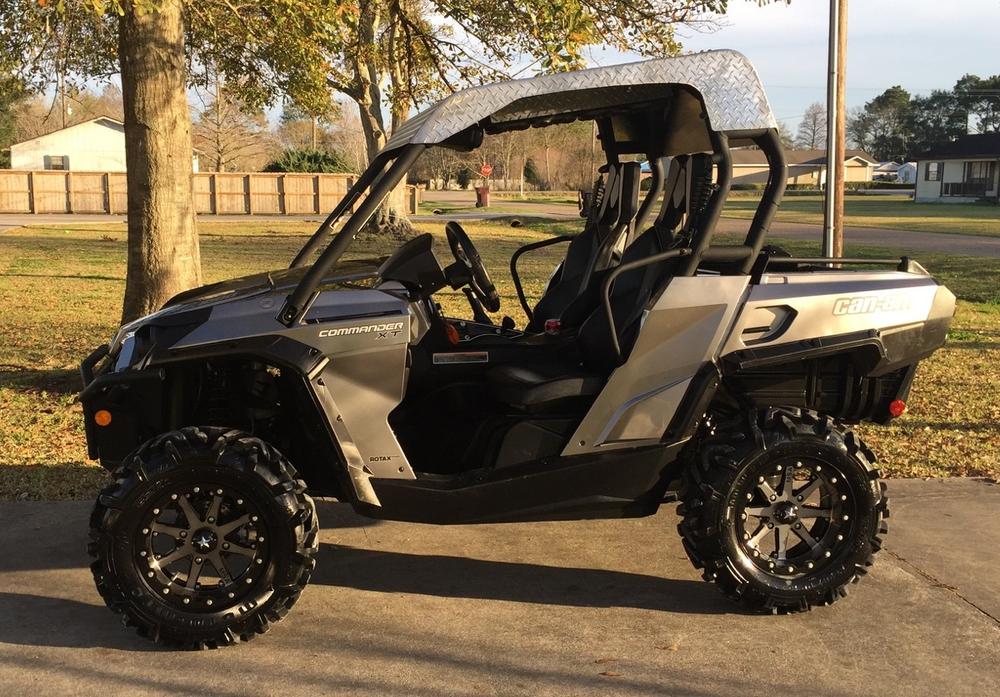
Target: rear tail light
896 408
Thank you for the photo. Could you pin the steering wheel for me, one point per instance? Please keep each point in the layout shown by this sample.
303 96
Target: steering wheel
466 253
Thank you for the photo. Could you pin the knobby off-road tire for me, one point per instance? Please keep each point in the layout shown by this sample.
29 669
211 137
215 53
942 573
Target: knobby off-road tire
755 478
205 538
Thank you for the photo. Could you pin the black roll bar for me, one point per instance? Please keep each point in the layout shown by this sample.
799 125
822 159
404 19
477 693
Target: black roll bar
770 144
703 236
619 270
346 202
297 303
517 278
657 169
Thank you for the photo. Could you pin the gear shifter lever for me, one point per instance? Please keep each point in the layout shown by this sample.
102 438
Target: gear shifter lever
478 314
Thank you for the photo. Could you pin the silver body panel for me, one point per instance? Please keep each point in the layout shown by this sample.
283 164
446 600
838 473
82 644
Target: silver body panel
360 373
684 329
793 307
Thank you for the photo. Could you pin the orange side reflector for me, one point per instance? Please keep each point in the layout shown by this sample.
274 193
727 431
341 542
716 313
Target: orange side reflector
102 417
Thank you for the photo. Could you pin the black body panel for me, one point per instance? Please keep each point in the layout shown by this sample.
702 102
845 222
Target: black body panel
618 484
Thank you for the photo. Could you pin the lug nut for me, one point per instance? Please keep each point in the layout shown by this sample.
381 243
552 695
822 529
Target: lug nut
187 600
173 497
197 489
219 492
165 591
225 545
150 574
197 560
142 553
211 519
810 565
184 533
145 531
156 511
239 502
208 602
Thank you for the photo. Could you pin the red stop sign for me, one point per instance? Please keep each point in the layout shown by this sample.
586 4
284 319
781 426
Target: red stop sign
486 170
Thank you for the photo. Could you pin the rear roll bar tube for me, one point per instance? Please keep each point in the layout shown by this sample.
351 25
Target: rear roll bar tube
297 304
703 236
610 279
517 278
770 143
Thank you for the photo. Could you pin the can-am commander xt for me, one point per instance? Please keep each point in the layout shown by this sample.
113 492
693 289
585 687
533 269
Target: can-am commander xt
673 368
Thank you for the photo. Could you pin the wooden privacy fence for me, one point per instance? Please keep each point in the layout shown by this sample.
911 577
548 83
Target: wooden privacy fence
223 193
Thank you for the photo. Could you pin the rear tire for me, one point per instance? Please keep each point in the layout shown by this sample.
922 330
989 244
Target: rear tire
782 509
205 538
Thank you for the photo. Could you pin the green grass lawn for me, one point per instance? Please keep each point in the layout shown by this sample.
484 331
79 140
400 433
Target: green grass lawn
60 296
897 212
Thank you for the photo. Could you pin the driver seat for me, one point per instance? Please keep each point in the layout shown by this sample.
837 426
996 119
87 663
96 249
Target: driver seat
573 278
561 384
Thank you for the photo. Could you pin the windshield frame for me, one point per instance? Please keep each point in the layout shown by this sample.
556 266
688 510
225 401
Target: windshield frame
380 179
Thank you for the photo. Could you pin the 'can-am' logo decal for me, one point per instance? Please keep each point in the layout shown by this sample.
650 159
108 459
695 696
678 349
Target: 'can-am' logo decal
863 304
381 330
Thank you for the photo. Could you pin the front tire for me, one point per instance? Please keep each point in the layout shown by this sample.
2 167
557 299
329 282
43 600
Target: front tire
782 509
205 538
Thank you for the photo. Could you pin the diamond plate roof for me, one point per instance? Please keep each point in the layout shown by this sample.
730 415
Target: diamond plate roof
733 95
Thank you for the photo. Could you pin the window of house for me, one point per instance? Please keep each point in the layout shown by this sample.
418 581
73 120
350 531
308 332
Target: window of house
60 162
933 171
979 171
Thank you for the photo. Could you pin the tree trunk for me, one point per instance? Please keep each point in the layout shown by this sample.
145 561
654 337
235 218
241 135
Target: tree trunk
163 254
391 216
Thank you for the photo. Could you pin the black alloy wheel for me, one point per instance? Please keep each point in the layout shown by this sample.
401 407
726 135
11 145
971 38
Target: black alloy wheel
205 538
783 509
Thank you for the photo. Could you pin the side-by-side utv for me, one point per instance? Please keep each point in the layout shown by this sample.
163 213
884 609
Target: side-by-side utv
656 366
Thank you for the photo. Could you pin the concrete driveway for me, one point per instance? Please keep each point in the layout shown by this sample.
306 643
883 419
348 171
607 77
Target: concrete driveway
586 608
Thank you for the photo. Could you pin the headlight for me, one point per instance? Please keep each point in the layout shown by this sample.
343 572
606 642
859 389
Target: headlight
125 355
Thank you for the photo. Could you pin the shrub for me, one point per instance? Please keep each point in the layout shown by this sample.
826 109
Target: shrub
308 160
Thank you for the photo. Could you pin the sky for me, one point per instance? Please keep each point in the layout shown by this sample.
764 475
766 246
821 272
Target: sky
920 44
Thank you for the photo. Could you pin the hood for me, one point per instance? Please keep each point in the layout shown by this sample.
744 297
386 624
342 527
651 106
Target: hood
342 275
255 295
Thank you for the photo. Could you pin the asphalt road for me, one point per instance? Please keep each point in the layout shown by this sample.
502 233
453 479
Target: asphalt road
912 241
582 608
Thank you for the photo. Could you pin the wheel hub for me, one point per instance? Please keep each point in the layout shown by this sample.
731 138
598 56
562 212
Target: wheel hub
205 540
793 517
202 547
786 512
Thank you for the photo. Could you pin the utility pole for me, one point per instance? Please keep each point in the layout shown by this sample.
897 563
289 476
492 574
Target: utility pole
836 126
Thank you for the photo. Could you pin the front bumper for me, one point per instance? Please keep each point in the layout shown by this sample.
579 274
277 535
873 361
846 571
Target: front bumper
134 400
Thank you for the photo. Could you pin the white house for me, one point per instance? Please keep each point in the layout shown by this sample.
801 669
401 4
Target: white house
907 173
966 169
805 167
97 145
886 171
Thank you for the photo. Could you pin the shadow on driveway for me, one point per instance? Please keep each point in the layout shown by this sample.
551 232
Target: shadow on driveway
462 577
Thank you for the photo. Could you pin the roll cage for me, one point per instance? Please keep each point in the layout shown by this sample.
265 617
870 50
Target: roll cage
672 107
